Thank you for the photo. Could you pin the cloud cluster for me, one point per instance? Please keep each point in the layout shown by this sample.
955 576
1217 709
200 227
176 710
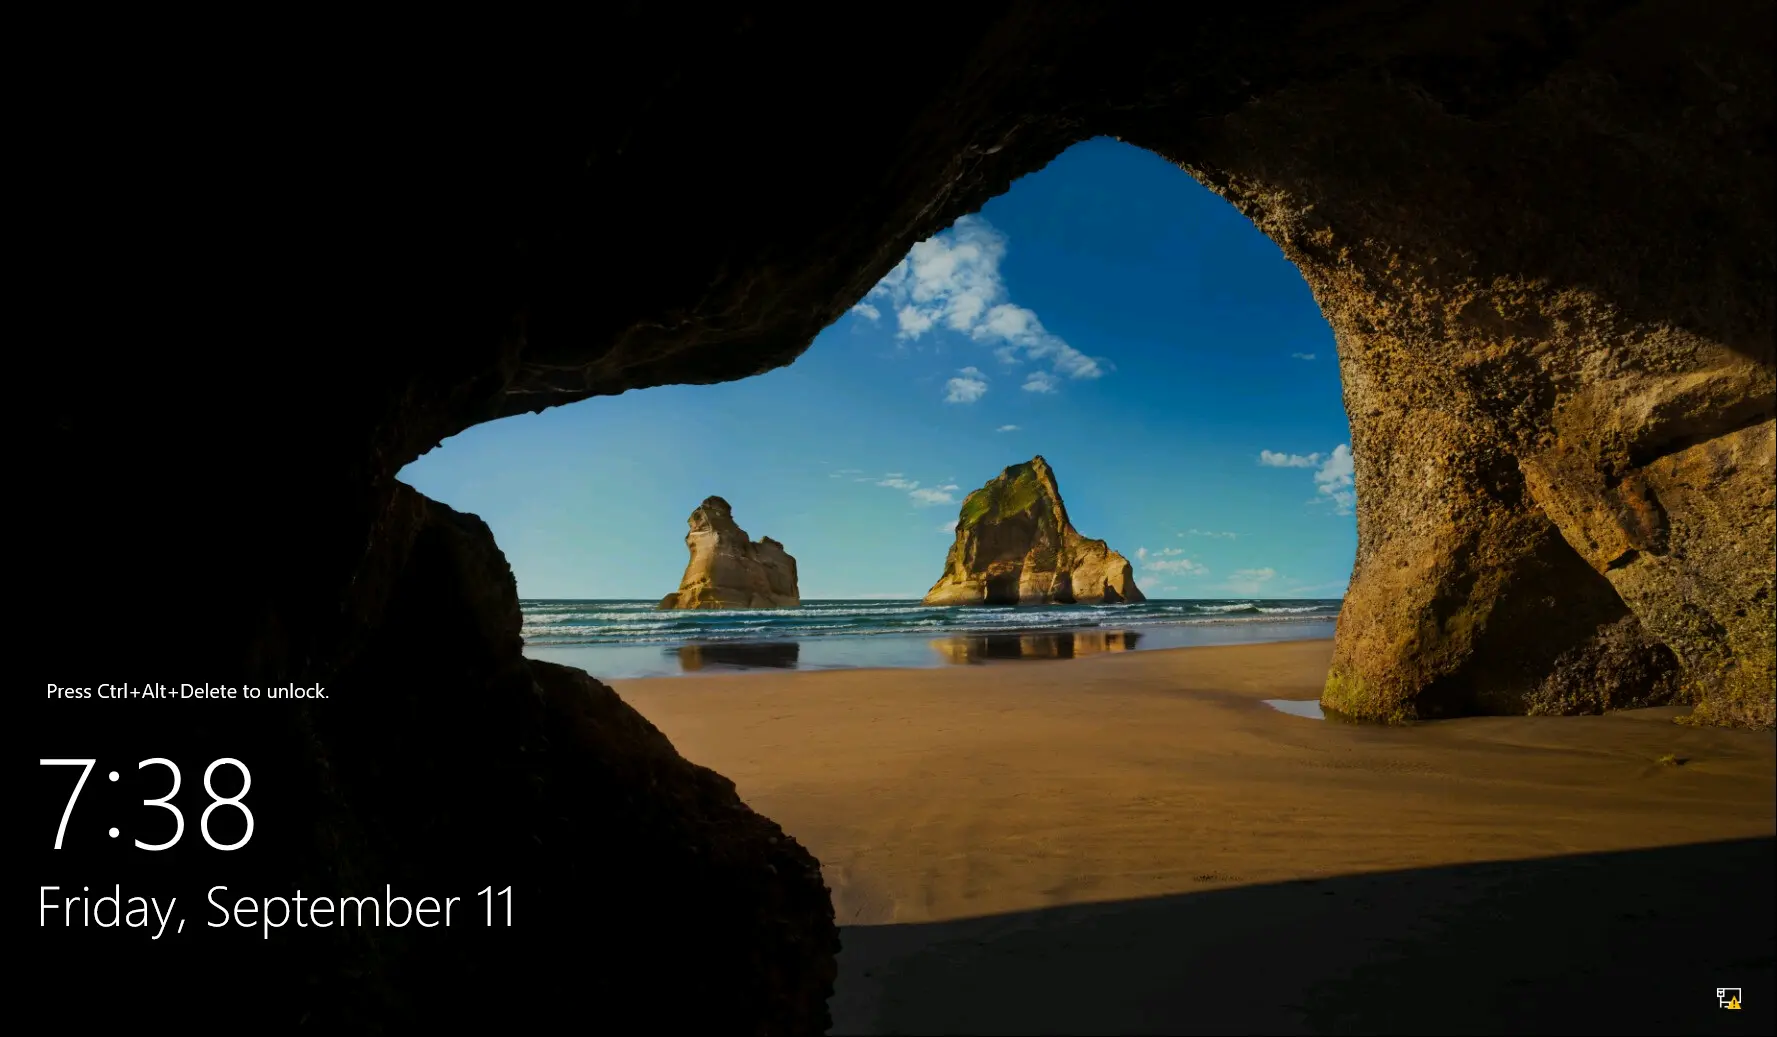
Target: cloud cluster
922 496
1334 474
1208 533
968 386
952 282
1007 428
1168 561
928 496
1298 356
1336 479
1273 459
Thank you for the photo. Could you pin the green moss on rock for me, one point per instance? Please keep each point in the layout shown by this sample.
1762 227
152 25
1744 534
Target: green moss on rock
1002 497
1353 698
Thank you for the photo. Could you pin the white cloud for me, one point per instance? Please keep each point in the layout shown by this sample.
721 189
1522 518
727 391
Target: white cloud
912 322
1333 474
1208 533
1249 582
1167 562
948 527
1303 356
1007 428
867 311
952 281
1175 567
922 496
1041 381
1273 459
1336 479
968 386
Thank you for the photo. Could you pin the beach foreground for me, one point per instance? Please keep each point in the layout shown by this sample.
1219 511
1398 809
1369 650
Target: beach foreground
1135 842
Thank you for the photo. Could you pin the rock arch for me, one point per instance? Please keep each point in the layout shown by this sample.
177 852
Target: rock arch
1541 232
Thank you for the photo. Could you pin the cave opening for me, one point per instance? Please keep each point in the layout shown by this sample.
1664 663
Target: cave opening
1107 312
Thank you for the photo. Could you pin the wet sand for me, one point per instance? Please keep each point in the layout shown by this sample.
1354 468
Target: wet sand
1136 842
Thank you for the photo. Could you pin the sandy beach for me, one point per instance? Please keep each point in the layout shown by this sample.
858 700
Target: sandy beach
1136 842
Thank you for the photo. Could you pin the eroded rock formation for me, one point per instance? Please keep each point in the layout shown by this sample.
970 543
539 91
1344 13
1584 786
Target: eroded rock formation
728 570
1015 546
1541 232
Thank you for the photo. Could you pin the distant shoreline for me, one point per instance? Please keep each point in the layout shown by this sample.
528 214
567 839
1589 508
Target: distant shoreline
743 647
631 638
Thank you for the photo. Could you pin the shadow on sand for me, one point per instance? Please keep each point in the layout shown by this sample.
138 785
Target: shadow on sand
1624 943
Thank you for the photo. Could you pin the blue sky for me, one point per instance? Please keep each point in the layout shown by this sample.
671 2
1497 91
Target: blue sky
1108 313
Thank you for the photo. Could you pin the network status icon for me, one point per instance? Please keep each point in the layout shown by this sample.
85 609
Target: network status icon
1728 996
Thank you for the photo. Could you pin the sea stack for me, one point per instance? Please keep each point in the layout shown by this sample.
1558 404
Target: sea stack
729 571
1015 546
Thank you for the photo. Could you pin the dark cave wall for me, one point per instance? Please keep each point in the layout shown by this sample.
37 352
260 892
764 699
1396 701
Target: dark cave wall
637 868
1542 235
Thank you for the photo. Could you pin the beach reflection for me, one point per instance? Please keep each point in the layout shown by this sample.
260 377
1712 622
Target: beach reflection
1309 708
970 649
775 655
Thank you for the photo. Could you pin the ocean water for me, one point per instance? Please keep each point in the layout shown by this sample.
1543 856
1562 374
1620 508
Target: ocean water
620 639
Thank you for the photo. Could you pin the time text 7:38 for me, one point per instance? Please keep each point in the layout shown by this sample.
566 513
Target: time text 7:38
165 802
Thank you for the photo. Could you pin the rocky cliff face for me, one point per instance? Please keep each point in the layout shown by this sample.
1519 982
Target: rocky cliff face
728 570
1015 546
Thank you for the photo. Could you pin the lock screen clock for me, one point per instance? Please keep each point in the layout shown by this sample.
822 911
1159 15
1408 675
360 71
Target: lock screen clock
225 815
